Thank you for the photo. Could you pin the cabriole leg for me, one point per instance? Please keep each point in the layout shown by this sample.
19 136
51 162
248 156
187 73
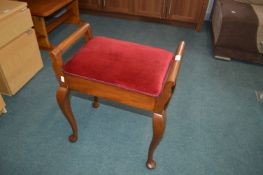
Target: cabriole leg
64 104
158 130
95 103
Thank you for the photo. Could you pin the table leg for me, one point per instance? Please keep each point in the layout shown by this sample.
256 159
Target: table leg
74 10
41 32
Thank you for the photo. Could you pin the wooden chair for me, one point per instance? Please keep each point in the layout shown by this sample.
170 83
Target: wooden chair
136 75
42 9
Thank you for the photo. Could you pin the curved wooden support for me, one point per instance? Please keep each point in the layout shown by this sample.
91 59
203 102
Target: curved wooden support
163 100
158 131
56 53
95 103
64 104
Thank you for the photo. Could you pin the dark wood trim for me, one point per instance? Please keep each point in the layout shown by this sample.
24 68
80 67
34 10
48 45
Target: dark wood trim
200 22
139 18
187 13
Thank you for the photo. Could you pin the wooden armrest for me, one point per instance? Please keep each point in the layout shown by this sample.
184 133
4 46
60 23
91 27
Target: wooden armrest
84 30
177 62
164 98
56 53
180 49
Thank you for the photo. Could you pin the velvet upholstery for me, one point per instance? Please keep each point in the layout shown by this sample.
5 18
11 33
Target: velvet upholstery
124 64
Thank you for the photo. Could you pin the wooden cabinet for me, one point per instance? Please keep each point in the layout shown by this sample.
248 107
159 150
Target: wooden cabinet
20 57
153 8
13 26
121 6
90 4
19 61
187 11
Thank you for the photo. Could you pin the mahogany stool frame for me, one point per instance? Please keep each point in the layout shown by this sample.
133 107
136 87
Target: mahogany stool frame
68 83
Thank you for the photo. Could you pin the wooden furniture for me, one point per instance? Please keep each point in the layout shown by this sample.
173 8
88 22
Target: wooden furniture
20 58
108 68
191 12
2 105
42 9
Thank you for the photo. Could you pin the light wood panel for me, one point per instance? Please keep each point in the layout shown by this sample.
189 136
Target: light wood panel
20 60
8 8
19 53
14 24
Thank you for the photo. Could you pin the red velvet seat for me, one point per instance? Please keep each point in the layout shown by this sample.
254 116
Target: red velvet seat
127 65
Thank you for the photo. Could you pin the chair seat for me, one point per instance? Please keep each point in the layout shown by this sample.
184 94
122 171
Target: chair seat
123 64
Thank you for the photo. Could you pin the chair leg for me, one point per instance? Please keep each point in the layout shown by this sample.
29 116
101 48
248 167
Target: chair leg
64 104
158 130
95 103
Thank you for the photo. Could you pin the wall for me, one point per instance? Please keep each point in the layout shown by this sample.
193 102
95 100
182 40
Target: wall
209 9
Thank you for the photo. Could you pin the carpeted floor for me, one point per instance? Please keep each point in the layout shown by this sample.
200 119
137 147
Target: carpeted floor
214 122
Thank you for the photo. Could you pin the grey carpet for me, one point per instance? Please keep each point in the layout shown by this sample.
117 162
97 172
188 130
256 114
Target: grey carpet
214 122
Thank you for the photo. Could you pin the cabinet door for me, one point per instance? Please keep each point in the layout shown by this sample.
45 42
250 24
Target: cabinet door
120 6
185 10
152 8
89 4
